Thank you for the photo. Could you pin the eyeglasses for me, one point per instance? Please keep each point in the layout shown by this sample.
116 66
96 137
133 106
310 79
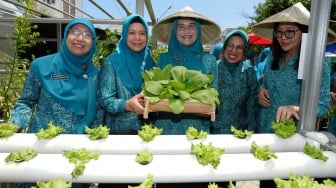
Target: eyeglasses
85 34
182 28
239 48
288 33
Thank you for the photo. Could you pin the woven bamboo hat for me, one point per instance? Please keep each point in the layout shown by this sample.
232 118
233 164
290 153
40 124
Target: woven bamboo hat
210 30
296 13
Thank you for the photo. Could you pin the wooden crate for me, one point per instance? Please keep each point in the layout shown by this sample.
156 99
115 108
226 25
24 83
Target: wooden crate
191 106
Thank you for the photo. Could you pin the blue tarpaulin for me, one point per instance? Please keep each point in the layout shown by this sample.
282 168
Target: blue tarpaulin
331 52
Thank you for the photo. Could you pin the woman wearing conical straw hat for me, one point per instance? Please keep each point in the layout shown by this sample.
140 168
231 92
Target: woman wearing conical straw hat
279 94
280 91
185 32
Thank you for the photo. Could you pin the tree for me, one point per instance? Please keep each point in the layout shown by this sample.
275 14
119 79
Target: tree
271 7
16 67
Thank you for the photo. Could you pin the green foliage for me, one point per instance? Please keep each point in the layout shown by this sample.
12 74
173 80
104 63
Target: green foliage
262 153
100 132
148 132
314 152
238 133
285 128
192 133
207 154
53 183
106 46
7 130
178 84
303 182
80 157
148 183
212 185
156 53
271 7
13 79
24 154
51 132
144 157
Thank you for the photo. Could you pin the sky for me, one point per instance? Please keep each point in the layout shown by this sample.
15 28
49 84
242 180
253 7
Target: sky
226 14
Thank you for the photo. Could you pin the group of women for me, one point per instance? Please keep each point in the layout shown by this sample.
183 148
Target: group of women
67 89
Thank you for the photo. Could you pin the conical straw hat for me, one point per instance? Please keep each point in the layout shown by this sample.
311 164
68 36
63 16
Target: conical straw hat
296 13
210 30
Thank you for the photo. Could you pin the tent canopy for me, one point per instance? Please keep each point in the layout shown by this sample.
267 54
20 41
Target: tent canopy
255 39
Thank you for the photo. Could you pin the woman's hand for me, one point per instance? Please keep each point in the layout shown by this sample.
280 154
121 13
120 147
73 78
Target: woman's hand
286 112
263 98
136 104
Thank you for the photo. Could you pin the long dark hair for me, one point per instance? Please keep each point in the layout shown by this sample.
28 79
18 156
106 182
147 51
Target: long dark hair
277 50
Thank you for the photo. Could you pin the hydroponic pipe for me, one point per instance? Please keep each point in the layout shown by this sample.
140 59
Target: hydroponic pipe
167 168
163 144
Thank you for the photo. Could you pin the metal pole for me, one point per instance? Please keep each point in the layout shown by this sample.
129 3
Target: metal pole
128 12
140 4
311 83
102 9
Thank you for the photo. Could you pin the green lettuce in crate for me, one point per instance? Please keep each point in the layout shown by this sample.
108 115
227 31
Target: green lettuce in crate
178 84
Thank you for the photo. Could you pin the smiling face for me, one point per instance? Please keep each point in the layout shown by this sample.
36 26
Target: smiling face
79 40
289 37
234 49
186 32
136 37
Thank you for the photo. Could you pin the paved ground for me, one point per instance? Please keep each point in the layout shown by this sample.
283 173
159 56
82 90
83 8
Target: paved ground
247 184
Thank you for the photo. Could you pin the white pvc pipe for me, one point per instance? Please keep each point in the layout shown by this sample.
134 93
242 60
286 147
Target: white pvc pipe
163 144
168 168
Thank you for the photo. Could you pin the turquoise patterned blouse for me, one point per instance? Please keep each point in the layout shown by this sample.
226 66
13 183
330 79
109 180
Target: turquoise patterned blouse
285 89
178 124
113 96
36 108
238 95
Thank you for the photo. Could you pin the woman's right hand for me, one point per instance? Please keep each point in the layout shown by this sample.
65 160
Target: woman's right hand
263 98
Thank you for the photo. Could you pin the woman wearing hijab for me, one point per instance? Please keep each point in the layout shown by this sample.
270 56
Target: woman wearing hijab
218 51
60 88
237 87
120 77
280 91
187 31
